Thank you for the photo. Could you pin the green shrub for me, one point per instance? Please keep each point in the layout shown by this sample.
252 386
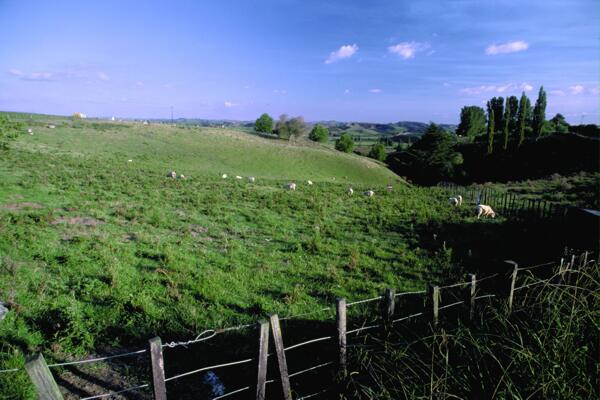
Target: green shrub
319 134
264 124
378 152
345 143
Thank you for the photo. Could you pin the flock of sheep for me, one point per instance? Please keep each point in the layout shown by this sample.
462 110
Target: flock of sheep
480 209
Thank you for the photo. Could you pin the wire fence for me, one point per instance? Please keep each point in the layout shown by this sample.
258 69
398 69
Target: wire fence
431 312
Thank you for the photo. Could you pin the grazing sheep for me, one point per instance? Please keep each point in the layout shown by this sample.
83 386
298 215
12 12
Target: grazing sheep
172 174
238 177
291 186
390 188
181 176
309 182
455 201
251 179
350 191
30 131
224 176
486 211
129 160
369 193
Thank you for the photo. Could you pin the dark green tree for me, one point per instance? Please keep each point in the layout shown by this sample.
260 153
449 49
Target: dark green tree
378 152
497 104
539 113
319 133
523 117
264 123
491 128
506 129
345 143
472 121
512 104
559 124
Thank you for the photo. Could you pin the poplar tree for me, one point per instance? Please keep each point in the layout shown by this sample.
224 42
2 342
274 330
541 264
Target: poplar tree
524 106
490 127
539 113
507 117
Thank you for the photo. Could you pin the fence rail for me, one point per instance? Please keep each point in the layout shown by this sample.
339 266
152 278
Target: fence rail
42 378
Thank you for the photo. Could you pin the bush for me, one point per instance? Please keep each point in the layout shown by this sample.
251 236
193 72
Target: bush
345 143
8 131
319 134
378 152
264 124
289 128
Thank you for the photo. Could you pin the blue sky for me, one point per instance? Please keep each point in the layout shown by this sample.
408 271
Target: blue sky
378 61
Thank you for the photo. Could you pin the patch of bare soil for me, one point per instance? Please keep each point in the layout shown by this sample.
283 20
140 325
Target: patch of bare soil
21 206
84 221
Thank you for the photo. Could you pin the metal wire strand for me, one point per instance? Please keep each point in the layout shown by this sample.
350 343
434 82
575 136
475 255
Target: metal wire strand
9 370
206 335
307 342
117 392
208 368
364 301
231 393
310 369
91 360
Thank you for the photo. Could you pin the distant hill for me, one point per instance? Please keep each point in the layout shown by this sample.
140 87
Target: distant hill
397 131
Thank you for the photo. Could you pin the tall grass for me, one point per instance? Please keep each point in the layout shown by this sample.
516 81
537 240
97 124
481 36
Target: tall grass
548 348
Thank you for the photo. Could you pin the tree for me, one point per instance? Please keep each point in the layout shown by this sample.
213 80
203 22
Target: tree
319 134
497 104
512 104
281 128
264 123
430 159
539 113
507 118
378 152
558 124
290 128
345 143
523 117
490 127
472 121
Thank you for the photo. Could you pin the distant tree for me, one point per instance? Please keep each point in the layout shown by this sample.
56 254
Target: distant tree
559 124
523 117
472 121
506 129
281 128
264 123
512 104
378 152
497 104
490 127
345 143
319 133
539 113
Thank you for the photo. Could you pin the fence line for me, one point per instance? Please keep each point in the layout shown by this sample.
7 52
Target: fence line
43 376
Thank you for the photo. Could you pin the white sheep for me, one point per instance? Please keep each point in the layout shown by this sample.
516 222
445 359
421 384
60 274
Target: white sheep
309 182
30 131
224 176
238 177
291 186
350 191
251 179
181 176
172 174
484 210
390 188
369 193
129 160
455 201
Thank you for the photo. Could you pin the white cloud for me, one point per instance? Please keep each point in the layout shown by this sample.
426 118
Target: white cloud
446 84
345 51
346 91
229 104
496 88
280 91
103 76
375 90
408 50
139 83
558 92
39 76
505 48
15 72
576 89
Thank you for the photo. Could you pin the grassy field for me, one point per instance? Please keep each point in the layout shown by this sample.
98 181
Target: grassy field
97 251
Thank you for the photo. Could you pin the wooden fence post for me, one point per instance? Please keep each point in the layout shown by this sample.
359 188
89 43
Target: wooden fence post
158 369
434 298
387 307
281 360
263 354
341 328
513 281
42 378
470 295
